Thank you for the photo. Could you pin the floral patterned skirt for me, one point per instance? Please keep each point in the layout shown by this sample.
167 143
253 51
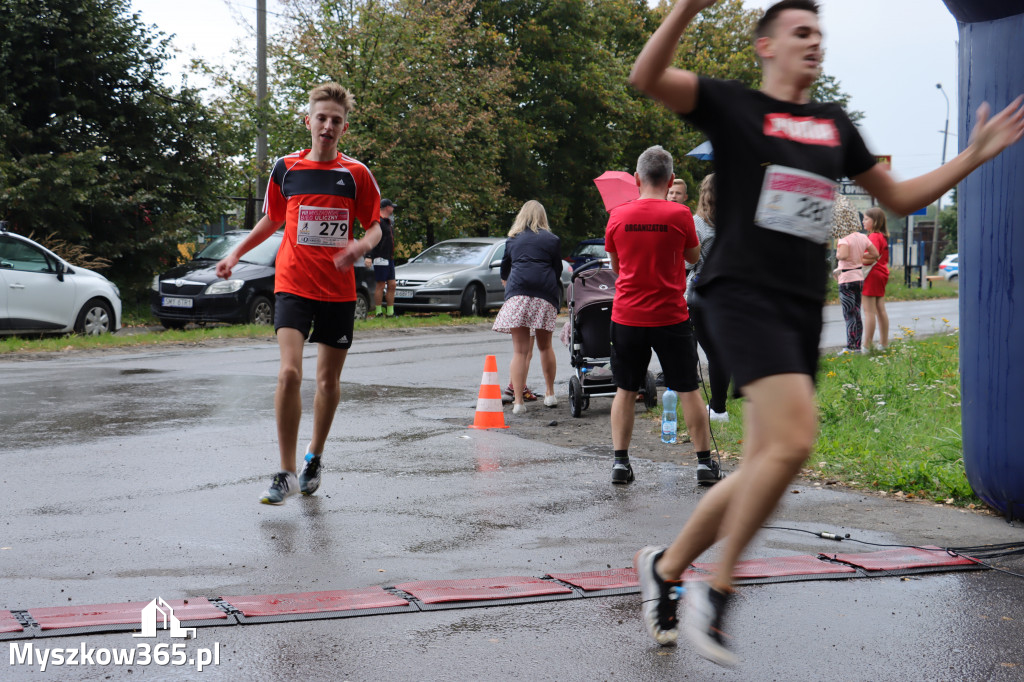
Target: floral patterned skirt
525 311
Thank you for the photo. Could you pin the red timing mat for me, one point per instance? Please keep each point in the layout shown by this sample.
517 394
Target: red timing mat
315 602
429 595
8 623
507 587
615 578
54 617
778 567
902 558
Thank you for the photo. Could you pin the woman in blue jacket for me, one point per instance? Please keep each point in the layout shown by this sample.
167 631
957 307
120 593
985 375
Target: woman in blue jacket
531 272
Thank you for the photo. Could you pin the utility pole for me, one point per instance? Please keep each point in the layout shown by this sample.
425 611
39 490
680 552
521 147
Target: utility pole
938 202
261 93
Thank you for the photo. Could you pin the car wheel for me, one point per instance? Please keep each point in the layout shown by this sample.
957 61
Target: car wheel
172 324
96 317
952 277
650 392
575 396
261 311
472 301
362 306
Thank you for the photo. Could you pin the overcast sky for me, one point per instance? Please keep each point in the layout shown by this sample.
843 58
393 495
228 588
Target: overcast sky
888 54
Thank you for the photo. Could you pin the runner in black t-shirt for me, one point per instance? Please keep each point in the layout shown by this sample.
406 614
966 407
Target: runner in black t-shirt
777 156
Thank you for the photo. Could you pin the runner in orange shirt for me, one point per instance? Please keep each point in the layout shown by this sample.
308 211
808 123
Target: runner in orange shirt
315 194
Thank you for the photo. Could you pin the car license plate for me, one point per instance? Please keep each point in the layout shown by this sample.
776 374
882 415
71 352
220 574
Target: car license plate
172 302
404 293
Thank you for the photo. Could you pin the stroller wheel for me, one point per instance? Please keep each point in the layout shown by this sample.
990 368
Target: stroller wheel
650 392
576 396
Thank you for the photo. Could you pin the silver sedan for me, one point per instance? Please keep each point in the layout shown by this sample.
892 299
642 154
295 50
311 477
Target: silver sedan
457 274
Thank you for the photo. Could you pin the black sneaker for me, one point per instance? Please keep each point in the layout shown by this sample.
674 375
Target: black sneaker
622 472
659 598
309 477
281 488
705 613
708 474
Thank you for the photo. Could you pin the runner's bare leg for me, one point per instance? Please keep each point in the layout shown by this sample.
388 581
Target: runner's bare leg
329 363
704 527
786 421
288 396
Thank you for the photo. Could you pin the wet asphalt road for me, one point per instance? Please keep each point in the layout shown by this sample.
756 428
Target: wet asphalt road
132 475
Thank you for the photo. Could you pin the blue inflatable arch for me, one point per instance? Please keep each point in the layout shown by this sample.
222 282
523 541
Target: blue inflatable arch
991 244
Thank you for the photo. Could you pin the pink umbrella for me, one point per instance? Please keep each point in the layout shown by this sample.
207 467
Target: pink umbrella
616 188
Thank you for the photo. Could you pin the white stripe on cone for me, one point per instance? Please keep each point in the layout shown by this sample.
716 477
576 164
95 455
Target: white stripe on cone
488 405
489 378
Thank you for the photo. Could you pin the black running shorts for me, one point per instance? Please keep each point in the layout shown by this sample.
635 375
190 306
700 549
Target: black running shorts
331 322
761 333
676 349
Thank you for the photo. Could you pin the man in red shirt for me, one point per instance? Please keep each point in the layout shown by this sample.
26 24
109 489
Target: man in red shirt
315 194
649 241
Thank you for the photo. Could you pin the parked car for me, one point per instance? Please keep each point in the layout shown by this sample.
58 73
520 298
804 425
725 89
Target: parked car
586 251
40 292
950 267
457 274
192 292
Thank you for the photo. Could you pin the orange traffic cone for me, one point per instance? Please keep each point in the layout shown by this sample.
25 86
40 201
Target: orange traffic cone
489 414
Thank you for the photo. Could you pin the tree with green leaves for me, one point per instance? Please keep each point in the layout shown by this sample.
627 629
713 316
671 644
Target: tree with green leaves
429 88
92 146
465 109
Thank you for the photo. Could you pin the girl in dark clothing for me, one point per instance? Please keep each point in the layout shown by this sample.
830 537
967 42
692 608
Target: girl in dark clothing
531 272
718 377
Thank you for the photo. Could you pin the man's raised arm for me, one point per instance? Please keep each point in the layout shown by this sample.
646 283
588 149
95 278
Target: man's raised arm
653 73
989 138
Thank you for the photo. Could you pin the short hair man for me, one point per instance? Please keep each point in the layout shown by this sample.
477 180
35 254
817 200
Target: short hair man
314 193
677 192
767 319
382 259
649 241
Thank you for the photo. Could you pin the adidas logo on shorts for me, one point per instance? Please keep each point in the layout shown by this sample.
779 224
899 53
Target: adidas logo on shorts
343 339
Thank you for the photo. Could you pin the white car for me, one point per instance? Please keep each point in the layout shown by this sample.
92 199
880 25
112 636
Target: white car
950 267
41 293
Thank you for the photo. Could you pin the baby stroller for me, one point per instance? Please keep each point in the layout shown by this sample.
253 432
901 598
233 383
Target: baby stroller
591 291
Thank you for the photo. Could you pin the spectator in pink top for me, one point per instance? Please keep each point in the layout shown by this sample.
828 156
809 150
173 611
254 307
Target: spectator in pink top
853 252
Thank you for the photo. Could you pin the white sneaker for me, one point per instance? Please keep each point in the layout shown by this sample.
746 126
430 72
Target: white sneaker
284 485
717 416
518 408
659 599
550 401
703 623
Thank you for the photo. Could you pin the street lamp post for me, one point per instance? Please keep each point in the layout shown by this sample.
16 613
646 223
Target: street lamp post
938 202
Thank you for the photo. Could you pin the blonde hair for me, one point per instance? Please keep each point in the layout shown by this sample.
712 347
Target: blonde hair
877 216
533 216
332 92
706 201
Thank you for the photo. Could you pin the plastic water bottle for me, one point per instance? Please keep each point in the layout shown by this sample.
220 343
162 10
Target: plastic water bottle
668 416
